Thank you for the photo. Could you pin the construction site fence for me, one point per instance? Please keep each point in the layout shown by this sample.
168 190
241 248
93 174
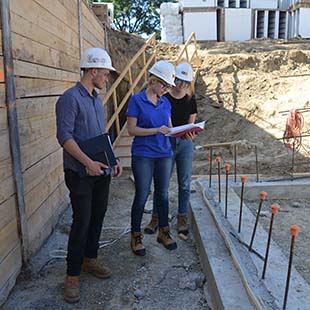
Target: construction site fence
40 47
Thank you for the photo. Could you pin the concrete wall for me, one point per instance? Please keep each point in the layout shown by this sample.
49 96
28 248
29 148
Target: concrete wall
264 4
198 3
238 24
203 23
304 22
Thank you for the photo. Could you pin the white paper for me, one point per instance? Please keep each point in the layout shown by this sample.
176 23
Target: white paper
178 129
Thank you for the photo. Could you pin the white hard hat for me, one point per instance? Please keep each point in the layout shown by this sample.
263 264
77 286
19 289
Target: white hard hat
184 72
164 70
96 57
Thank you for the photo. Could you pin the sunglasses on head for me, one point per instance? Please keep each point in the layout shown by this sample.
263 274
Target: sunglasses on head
179 81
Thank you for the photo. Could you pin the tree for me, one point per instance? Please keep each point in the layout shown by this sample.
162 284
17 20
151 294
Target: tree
137 16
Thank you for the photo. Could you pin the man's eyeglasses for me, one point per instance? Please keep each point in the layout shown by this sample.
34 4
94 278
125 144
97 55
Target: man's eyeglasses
163 84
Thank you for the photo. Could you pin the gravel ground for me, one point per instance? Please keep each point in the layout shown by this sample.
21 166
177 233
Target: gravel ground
160 280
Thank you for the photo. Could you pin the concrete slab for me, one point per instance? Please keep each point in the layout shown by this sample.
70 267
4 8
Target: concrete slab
299 294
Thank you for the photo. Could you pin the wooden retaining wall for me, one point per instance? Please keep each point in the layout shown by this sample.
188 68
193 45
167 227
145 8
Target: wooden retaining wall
47 38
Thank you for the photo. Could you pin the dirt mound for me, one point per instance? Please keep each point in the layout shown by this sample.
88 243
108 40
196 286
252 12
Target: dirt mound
250 90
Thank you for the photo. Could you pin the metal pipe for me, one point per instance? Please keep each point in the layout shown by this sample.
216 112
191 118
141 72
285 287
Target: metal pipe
235 163
294 233
262 197
293 161
256 164
227 168
210 170
218 160
274 211
247 246
13 126
243 180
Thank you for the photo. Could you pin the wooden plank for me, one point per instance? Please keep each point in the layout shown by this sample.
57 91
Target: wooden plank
90 21
2 95
1 70
7 189
26 69
33 12
46 216
37 173
9 269
121 151
39 193
35 151
35 107
62 13
125 141
31 51
3 119
7 211
6 169
9 239
1 51
28 87
90 40
70 5
34 128
29 29
5 145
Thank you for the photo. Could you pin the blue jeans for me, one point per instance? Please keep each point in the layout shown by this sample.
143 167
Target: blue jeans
144 170
183 158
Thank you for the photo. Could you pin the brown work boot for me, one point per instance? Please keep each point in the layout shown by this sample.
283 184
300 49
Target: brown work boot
165 238
90 265
182 226
72 289
136 244
152 226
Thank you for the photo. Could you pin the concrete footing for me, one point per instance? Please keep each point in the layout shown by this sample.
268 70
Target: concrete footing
234 273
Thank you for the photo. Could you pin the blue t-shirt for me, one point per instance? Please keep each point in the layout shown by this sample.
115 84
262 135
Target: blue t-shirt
149 115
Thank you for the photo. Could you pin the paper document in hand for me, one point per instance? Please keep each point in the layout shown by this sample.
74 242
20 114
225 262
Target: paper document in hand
180 131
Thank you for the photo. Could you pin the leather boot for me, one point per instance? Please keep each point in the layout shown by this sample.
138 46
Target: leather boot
136 244
165 238
72 289
152 226
91 266
182 226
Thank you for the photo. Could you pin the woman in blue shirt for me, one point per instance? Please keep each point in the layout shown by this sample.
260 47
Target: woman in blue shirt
183 111
148 119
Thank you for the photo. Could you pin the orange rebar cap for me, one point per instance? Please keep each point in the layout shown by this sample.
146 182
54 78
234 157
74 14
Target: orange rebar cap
243 179
262 195
275 208
227 167
294 230
218 159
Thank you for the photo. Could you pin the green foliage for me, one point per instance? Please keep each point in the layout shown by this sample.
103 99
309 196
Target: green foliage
137 16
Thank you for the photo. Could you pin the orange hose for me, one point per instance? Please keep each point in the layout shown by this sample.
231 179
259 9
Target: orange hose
293 128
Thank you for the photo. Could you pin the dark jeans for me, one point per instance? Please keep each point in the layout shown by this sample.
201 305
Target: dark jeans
144 170
89 200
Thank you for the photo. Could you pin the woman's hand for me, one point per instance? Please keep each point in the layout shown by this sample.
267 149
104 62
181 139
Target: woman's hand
163 129
189 136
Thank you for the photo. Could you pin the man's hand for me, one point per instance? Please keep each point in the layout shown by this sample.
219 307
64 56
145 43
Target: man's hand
118 169
95 168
